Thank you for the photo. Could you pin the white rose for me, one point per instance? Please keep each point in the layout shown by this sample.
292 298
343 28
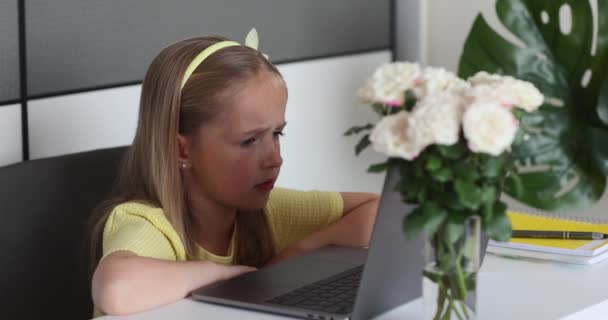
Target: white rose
486 93
390 136
438 80
527 96
505 89
389 82
485 78
439 117
489 127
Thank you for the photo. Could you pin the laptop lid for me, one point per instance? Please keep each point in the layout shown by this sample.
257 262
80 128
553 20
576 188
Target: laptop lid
392 273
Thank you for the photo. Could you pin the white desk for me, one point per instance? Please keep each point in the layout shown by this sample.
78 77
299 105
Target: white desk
508 289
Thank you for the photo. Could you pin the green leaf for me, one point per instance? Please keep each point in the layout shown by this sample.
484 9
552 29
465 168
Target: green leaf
514 186
565 162
519 136
363 143
442 175
356 129
455 226
452 152
413 224
378 167
427 217
487 210
602 104
469 194
451 201
499 226
598 141
519 113
488 194
464 169
409 189
493 166
422 194
471 280
410 100
419 166
435 216
433 276
379 109
433 163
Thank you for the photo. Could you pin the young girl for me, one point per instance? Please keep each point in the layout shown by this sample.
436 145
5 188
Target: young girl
195 201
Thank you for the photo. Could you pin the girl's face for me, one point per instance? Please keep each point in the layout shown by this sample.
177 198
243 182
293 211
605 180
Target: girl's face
235 159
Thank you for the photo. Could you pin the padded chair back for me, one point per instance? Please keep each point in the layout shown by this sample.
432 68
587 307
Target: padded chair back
45 205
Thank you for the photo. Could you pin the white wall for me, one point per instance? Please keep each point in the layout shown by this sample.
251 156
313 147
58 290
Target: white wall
84 121
321 107
447 24
10 134
443 26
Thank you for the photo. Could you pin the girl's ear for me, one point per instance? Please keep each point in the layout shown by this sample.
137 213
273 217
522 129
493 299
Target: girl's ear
183 148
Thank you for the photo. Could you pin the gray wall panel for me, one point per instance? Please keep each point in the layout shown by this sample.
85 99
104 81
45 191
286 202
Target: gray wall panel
74 45
9 51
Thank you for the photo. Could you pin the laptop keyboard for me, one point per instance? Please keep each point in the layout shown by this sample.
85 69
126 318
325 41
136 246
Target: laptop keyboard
335 294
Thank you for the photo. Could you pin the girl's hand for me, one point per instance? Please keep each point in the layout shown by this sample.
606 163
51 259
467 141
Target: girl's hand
291 251
229 272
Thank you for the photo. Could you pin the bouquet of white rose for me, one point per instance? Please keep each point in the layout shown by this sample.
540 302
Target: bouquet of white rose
450 140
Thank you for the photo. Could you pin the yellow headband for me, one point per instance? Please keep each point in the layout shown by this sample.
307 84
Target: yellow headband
251 41
203 55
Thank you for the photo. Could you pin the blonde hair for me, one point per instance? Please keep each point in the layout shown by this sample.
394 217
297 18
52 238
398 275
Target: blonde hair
150 170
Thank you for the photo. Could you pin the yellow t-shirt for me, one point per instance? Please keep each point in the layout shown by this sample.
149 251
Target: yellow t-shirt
145 231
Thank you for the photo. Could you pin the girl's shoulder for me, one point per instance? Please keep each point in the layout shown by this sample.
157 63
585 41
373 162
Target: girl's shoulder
138 208
130 222
142 212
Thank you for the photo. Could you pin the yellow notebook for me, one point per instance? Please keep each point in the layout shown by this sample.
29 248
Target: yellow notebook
572 251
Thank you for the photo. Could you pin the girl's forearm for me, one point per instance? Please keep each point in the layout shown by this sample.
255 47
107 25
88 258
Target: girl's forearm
353 229
125 283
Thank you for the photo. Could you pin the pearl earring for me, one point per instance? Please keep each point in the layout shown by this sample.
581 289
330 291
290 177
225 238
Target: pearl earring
184 166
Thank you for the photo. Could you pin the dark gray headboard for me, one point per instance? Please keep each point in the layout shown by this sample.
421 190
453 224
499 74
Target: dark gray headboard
74 45
9 52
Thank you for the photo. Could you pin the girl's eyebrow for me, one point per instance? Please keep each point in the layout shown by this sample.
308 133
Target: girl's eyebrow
263 129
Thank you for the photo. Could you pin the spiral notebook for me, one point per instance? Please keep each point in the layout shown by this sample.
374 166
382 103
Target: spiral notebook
570 251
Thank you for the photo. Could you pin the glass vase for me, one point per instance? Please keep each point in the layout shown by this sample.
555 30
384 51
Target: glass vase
449 279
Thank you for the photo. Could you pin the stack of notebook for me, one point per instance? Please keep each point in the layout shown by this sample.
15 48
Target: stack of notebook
570 251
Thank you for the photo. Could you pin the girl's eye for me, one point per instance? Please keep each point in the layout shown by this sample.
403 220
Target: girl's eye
251 140
248 141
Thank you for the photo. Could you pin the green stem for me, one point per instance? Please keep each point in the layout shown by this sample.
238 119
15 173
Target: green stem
440 300
452 309
451 296
448 310
460 275
463 305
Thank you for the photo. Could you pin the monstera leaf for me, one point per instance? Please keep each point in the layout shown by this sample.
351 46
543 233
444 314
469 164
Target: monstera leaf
563 158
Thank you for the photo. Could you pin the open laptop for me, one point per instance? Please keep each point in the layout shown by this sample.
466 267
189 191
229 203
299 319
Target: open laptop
337 282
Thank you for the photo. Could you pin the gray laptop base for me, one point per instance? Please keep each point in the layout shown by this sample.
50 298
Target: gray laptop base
253 290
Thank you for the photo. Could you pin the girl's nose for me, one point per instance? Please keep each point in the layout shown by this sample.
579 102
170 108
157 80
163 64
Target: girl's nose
273 156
